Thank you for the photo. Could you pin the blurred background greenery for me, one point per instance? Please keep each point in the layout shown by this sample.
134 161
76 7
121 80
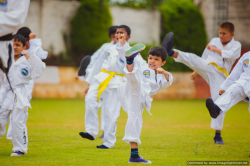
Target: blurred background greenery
181 17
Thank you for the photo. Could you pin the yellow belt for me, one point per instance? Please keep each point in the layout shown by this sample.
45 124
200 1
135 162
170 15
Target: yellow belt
219 69
105 83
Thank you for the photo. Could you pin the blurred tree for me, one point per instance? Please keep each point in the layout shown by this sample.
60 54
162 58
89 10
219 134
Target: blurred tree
184 19
89 27
140 4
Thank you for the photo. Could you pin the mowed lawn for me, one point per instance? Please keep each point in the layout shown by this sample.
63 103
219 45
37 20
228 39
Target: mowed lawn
179 131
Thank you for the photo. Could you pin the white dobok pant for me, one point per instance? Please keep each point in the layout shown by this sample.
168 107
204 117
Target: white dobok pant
9 131
234 94
19 129
110 109
134 110
213 77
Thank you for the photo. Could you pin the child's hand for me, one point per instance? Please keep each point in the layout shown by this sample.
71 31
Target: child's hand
76 77
25 53
162 71
122 38
210 47
86 90
221 92
193 75
32 36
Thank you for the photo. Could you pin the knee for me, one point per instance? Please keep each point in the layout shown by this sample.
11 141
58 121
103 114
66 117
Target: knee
17 123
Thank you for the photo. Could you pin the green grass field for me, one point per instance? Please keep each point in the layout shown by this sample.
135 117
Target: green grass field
179 131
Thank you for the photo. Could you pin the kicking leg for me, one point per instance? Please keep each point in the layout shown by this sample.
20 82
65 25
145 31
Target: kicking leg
134 122
232 96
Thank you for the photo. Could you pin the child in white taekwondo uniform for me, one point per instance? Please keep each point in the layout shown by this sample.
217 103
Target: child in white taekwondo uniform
214 65
142 81
88 62
12 15
104 80
234 89
14 99
32 45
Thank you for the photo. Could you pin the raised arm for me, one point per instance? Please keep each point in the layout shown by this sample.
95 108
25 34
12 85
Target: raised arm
233 53
37 64
166 81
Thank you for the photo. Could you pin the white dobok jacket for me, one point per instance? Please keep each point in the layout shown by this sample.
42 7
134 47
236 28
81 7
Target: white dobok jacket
21 72
229 53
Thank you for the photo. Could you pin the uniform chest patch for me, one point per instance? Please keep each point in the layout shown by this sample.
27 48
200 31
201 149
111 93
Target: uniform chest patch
246 62
3 2
24 72
146 73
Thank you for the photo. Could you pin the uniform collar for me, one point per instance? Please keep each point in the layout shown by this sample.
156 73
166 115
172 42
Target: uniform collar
229 45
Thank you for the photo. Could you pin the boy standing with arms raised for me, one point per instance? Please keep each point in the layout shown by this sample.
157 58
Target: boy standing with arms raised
214 65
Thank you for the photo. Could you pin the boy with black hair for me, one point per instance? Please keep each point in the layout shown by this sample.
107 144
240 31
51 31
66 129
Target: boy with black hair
104 79
15 100
214 65
143 81
88 61
32 45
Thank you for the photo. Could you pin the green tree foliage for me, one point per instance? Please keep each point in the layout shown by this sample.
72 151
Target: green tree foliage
184 19
140 4
89 27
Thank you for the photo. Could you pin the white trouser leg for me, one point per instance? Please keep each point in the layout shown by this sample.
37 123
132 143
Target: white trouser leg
91 110
195 62
19 130
102 119
233 95
134 122
9 131
4 119
215 81
111 109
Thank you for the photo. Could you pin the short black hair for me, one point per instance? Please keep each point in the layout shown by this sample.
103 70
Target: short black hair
112 30
25 32
227 25
128 30
159 52
19 38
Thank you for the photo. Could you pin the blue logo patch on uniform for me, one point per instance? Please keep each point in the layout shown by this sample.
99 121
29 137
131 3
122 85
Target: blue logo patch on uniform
24 72
121 60
146 73
3 2
246 62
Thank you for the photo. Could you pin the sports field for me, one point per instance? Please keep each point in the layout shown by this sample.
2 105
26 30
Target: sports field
179 131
